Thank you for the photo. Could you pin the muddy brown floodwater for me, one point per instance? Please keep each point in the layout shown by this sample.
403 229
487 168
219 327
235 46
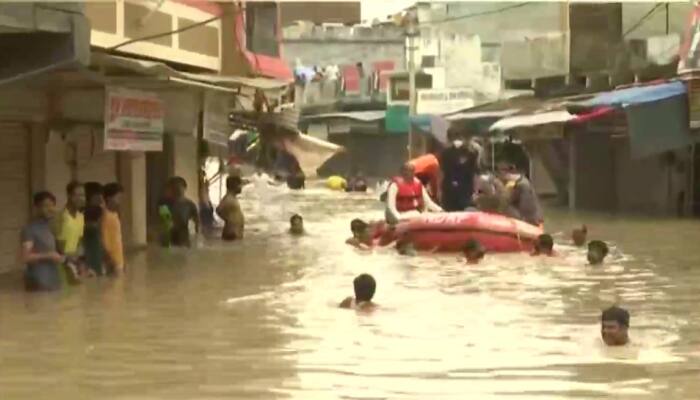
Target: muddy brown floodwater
258 319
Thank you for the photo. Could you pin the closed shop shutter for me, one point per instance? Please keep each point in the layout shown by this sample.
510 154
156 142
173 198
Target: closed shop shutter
15 201
94 163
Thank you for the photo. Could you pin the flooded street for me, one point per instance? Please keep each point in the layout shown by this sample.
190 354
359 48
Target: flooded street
259 319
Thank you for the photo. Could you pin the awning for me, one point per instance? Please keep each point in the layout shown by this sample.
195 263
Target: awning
163 71
532 120
364 116
657 116
469 115
271 67
433 125
310 152
636 95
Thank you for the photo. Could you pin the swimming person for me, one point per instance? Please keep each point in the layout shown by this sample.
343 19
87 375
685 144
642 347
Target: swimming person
544 246
578 236
361 236
356 183
364 286
38 247
296 225
473 251
614 326
597 251
407 197
230 211
296 179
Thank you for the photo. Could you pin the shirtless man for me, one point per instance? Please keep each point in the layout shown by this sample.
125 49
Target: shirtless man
230 211
364 286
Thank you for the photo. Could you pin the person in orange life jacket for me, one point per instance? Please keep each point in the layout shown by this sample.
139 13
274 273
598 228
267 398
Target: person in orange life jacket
406 197
427 169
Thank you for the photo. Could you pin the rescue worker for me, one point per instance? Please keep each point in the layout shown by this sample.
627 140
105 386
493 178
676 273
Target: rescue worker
427 169
406 197
459 164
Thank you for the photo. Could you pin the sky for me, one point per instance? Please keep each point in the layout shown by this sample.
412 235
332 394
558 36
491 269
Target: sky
381 8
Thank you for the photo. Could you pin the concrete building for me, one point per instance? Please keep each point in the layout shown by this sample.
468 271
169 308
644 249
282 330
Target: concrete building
337 12
558 49
61 110
377 48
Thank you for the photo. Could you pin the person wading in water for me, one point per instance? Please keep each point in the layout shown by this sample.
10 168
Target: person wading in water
230 211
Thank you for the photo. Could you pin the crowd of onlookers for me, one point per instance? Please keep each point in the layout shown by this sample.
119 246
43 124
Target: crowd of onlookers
83 240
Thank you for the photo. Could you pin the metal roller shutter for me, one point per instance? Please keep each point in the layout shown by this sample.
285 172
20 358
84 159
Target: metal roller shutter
15 201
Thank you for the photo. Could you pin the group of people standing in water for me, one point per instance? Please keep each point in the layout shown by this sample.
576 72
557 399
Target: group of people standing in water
84 240
177 213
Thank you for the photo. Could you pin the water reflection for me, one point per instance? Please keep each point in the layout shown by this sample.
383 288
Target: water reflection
260 320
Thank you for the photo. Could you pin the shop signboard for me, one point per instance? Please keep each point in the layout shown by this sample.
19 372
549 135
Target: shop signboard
443 101
217 128
134 120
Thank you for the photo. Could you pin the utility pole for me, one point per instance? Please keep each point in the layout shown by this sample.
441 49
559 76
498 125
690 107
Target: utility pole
411 34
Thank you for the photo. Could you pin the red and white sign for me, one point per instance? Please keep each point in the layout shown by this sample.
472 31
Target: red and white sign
133 120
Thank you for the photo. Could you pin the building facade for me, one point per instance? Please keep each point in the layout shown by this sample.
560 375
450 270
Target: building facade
63 112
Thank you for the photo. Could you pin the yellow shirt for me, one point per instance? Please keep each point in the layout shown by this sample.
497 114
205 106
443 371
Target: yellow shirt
70 231
112 238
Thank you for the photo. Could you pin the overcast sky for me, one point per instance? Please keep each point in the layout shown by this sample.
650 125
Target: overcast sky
381 8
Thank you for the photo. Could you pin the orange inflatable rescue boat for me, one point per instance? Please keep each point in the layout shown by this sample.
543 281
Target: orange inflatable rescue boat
451 231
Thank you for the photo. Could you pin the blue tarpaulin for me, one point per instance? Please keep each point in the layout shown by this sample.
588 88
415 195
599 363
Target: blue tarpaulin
657 116
636 95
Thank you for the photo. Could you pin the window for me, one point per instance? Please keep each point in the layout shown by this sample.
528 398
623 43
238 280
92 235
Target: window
400 90
261 28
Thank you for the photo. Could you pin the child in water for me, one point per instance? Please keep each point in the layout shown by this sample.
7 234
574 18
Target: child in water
474 252
597 251
296 225
364 286
544 246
